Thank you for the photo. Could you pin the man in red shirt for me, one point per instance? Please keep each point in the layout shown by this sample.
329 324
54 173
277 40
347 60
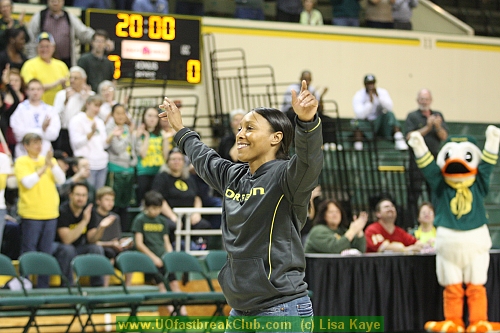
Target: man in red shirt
384 235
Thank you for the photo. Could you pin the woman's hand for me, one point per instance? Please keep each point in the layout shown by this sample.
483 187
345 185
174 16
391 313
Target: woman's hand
305 105
172 113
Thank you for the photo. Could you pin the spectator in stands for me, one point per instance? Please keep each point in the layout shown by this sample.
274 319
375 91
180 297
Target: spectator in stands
69 102
426 231
287 98
55 20
434 129
310 15
150 6
111 239
62 160
151 149
34 116
345 12
80 168
5 171
384 235
288 10
227 146
11 99
332 231
52 73
77 231
122 161
190 7
7 22
13 54
378 14
95 63
106 90
151 236
84 4
375 105
37 175
178 188
401 13
250 9
88 138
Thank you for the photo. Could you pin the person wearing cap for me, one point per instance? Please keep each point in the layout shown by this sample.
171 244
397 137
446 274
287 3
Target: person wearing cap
375 105
51 72
227 146
55 20
431 125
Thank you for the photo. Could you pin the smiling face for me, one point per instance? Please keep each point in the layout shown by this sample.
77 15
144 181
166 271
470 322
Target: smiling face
119 115
33 148
386 211
257 142
46 49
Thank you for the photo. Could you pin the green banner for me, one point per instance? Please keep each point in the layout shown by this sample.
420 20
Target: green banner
250 324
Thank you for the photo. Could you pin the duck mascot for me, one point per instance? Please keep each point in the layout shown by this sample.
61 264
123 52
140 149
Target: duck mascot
459 179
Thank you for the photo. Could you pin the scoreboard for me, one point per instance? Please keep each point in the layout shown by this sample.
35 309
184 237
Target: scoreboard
151 46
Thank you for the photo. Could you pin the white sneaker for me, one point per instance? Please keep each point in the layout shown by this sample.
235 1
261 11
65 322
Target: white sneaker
358 145
399 141
400 145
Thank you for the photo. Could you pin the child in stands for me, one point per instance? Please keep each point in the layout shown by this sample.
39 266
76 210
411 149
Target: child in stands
151 230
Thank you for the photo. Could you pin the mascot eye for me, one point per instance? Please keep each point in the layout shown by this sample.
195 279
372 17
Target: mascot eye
447 156
468 156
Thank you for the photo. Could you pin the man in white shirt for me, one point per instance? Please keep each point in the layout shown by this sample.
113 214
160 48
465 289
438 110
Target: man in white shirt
69 102
34 116
375 105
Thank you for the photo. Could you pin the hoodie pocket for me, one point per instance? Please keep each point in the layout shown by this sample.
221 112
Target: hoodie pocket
246 278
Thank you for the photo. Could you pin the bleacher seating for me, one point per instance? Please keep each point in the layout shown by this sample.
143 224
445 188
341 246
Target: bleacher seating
482 15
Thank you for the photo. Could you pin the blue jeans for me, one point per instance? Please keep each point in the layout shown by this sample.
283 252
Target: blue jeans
38 235
300 307
98 178
249 13
346 21
65 253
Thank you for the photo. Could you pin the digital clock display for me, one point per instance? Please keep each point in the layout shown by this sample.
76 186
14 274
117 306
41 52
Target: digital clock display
151 46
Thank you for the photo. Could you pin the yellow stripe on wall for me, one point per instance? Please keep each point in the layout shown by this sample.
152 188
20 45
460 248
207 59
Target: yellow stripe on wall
309 35
468 46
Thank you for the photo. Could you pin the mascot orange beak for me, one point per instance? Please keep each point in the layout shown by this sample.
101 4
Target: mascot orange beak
457 168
